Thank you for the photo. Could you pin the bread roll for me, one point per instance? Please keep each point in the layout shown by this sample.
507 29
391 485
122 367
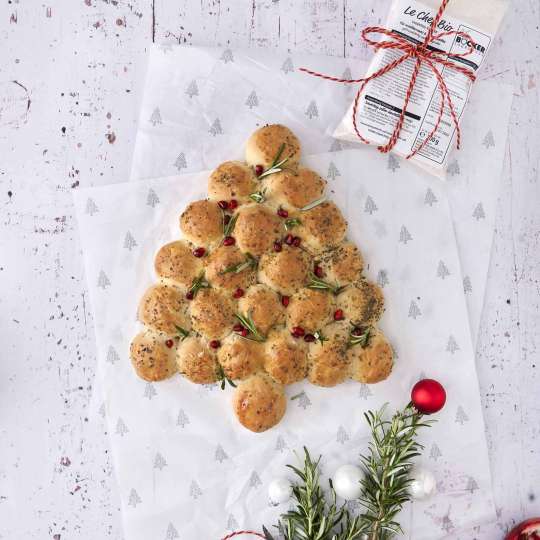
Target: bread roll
196 361
176 265
212 314
227 257
285 358
323 227
263 146
373 363
286 271
294 189
342 264
231 180
151 358
362 303
310 310
239 357
202 223
264 307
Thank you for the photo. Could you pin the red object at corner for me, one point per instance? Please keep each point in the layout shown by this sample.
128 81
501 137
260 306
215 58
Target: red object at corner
528 530
428 396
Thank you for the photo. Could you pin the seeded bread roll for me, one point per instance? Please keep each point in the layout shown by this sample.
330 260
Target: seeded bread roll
362 303
239 357
373 363
328 362
323 227
310 310
263 146
196 361
222 269
151 358
202 223
163 308
231 180
295 189
343 264
264 307
212 314
176 265
259 403
285 271
256 229
285 358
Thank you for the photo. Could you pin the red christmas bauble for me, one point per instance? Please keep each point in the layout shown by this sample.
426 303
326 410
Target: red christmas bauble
428 396
528 530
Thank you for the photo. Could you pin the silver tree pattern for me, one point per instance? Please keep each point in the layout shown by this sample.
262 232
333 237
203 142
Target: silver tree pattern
227 56
194 490
182 419
103 280
220 454
467 285
281 445
252 100
149 391
192 89
453 169
303 400
472 485
159 462
442 270
215 128
180 162
364 391
479 213
91 207
254 480
155 119
447 524
404 235
393 163
287 66
414 310
112 355
134 498
333 171
342 437
312 111
370 206
172 533
452 345
129 241
435 452
152 199
232 524
382 278
461 416
347 73
430 198
121 428
336 146
489 140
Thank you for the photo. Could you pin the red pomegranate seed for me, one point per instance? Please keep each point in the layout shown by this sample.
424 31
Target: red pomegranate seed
285 300
233 204
199 252
229 241
215 344
338 315
297 241
277 247
238 327
226 218
298 331
244 332
238 293
169 343
289 239
259 169
309 338
319 272
282 213
190 295
223 205
357 331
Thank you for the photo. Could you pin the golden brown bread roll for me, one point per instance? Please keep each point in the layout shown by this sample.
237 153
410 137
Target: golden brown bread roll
362 302
176 265
263 146
310 310
343 264
239 357
202 223
151 358
285 358
231 180
264 307
256 229
212 314
323 227
196 361
221 272
373 363
294 189
259 403
285 271
163 308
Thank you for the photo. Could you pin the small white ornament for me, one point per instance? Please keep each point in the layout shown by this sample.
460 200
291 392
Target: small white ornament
279 491
423 484
347 482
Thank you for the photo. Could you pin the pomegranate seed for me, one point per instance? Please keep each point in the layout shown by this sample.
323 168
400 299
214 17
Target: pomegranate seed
277 247
309 338
238 327
215 344
190 295
259 169
289 239
298 331
223 205
229 241
357 331
244 332
169 343
319 272
285 300
226 218
297 241
338 315
238 293
233 204
199 252
282 213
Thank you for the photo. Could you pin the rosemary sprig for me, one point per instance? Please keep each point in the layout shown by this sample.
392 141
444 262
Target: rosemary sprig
320 337
313 204
182 332
291 223
318 283
224 379
250 262
277 164
258 196
247 322
362 339
198 283
228 228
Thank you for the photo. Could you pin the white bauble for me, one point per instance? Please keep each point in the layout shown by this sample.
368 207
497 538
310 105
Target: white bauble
423 484
279 491
347 482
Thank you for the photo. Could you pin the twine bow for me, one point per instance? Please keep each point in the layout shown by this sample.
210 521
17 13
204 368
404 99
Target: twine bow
425 53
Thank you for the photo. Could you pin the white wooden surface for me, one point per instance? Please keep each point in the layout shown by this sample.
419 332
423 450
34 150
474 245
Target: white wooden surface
71 73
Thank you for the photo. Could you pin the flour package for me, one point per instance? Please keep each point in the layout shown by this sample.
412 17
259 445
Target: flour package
383 98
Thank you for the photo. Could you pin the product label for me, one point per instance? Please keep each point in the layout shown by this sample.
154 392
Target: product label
384 97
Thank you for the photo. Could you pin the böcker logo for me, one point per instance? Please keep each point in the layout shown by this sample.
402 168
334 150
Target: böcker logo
466 43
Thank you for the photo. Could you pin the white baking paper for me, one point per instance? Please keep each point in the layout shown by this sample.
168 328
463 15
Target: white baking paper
186 469
200 104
